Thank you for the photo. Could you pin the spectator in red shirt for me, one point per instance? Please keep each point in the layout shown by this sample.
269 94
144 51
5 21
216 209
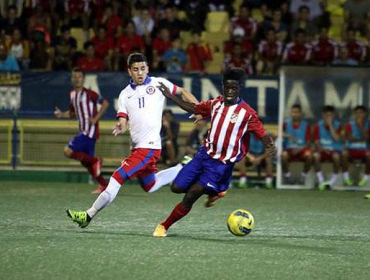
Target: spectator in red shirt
245 21
90 62
39 26
159 46
103 46
297 52
237 60
269 53
324 49
198 54
239 39
356 50
111 20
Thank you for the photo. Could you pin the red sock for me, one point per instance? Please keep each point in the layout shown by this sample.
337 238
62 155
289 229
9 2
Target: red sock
177 213
83 157
101 180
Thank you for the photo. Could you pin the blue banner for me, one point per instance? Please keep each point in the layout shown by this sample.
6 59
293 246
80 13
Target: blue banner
41 92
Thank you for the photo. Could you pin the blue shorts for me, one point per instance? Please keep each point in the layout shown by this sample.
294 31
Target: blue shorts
212 174
83 143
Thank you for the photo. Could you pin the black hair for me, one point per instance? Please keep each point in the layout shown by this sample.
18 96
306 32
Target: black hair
328 108
299 31
360 107
65 28
235 74
303 7
297 106
135 57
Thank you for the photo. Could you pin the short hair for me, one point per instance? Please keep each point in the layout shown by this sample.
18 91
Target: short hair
136 57
360 107
328 108
235 74
303 7
299 31
297 106
78 69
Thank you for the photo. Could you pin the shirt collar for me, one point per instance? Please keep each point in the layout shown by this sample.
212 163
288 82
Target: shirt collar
134 85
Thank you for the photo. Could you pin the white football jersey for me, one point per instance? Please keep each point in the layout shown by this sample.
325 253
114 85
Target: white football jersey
142 105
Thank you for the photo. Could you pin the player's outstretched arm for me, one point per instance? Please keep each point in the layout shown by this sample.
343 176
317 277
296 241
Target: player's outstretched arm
187 96
59 114
187 106
269 144
120 127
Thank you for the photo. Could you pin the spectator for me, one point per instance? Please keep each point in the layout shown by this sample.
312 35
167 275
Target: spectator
175 58
7 62
20 49
356 50
221 5
39 26
198 54
196 138
324 20
269 54
111 20
6 4
313 6
303 22
64 50
89 62
77 13
103 46
40 56
162 42
297 52
144 23
196 11
172 23
296 146
277 25
169 134
324 49
237 60
239 39
245 21
355 13
11 21
343 59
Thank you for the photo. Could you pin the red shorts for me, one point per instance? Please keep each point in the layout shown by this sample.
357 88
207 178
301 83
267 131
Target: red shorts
358 154
140 163
301 156
328 155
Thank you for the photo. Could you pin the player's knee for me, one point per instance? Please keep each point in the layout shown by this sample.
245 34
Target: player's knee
316 156
67 152
176 189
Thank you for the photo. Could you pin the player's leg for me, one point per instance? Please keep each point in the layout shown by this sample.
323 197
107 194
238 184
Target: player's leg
242 166
365 177
285 157
345 167
336 164
269 172
307 162
94 169
180 210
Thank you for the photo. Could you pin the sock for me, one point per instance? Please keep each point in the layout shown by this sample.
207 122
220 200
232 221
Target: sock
333 178
320 177
287 175
177 213
165 177
304 174
242 180
83 157
345 174
101 180
268 180
105 198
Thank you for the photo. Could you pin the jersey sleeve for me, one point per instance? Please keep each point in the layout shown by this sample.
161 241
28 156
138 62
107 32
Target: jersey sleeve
204 108
172 87
255 125
122 111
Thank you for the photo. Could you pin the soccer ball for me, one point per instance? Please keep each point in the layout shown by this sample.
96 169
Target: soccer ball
240 222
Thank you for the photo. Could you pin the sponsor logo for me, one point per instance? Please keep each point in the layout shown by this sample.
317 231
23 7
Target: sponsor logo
210 185
150 90
234 118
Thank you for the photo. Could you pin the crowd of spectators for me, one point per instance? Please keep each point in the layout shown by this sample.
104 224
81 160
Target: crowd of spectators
37 34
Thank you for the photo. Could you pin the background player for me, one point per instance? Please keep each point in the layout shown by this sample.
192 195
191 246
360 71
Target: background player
328 144
83 105
140 104
297 134
210 171
357 139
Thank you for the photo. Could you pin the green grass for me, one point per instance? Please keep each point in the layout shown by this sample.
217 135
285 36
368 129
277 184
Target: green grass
298 235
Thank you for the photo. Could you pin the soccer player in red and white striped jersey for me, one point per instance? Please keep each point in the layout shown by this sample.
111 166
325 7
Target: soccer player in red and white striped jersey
83 105
210 171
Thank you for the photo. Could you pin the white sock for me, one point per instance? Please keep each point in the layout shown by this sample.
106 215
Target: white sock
242 180
304 174
320 177
268 180
333 178
105 198
287 175
165 177
345 174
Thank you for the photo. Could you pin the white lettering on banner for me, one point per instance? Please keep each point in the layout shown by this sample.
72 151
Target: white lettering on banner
261 86
350 99
208 89
10 97
187 83
91 82
299 95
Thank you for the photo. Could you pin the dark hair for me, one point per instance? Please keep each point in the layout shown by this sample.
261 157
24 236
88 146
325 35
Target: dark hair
360 107
167 111
328 108
78 69
64 28
304 7
135 57
299 31
235 74
88 44
297 106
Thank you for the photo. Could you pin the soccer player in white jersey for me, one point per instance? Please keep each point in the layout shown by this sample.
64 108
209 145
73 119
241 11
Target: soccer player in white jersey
210 171
140 104
83 105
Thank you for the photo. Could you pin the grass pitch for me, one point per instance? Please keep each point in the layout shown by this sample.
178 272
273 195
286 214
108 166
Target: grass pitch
298 235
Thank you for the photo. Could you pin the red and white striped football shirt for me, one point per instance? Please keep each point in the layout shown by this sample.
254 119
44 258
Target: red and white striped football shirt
229 134
84 105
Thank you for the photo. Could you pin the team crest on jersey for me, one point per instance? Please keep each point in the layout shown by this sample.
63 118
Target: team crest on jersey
234 118
150 90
